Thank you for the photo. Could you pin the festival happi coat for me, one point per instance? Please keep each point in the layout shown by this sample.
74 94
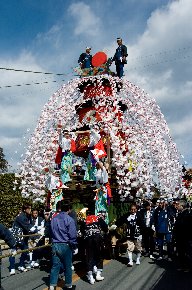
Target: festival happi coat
128 125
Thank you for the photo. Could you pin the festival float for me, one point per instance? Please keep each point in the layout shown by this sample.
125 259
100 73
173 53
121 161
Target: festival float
98 122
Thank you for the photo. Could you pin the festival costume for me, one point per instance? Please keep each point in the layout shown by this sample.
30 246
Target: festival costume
85 60
101 204
91 229
163 221
135 227
121 52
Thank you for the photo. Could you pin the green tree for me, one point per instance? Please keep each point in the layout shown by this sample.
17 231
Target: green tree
3 162
11 199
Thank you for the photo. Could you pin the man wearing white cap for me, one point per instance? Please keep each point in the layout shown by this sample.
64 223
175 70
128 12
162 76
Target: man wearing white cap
85 58
120 57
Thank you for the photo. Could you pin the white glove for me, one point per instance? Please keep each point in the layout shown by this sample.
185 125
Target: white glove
139 238
33 229
13 252
153 228
75 252
112 228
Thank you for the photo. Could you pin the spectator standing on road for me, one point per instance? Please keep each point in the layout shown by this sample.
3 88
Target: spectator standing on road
64 243
36 241
163 221
148 230
181 234
22 226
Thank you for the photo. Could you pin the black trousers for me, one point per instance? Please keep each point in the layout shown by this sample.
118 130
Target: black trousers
94 252
182 251
148 240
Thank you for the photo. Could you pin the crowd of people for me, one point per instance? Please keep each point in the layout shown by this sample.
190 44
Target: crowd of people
158 230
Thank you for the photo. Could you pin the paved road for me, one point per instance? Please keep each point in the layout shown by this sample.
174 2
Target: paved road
150 275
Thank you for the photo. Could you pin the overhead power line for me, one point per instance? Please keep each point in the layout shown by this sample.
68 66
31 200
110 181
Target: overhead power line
28 84
30 71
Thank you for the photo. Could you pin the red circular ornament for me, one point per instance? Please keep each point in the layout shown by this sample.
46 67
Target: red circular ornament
99 58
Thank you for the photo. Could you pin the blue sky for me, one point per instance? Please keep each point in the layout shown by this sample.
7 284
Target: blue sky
49 35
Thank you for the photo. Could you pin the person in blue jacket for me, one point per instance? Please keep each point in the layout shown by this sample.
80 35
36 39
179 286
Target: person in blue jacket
120 57
6 235
164 221
64 244
85 59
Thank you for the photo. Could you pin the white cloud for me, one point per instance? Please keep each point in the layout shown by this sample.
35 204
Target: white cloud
86 21
151 66
181 127
21 106
157 63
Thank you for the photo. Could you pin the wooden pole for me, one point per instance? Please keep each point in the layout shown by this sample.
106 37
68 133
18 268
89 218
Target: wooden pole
109 152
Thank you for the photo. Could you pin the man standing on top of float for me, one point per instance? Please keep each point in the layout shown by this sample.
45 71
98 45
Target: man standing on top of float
120 57
85 58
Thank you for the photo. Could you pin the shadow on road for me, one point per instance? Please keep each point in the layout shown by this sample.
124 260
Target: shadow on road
171 278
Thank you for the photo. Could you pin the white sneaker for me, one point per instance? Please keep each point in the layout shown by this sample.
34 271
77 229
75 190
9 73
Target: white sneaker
36 265
152 257
138 262
99 277
32 264
160 258
51 287
12 272
90 279
22 269
130 264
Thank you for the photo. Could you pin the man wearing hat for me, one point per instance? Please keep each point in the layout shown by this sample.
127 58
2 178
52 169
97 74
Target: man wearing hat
85 59
120 57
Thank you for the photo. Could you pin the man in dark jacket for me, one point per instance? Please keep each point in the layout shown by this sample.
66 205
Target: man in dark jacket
135 228
120 57
148 232
64 243
85 59
182 234
7 236
22 226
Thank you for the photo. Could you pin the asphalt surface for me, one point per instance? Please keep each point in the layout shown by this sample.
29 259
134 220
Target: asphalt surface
150 275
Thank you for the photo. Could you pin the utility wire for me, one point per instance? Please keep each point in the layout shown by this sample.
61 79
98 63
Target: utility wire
30 71
28 84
